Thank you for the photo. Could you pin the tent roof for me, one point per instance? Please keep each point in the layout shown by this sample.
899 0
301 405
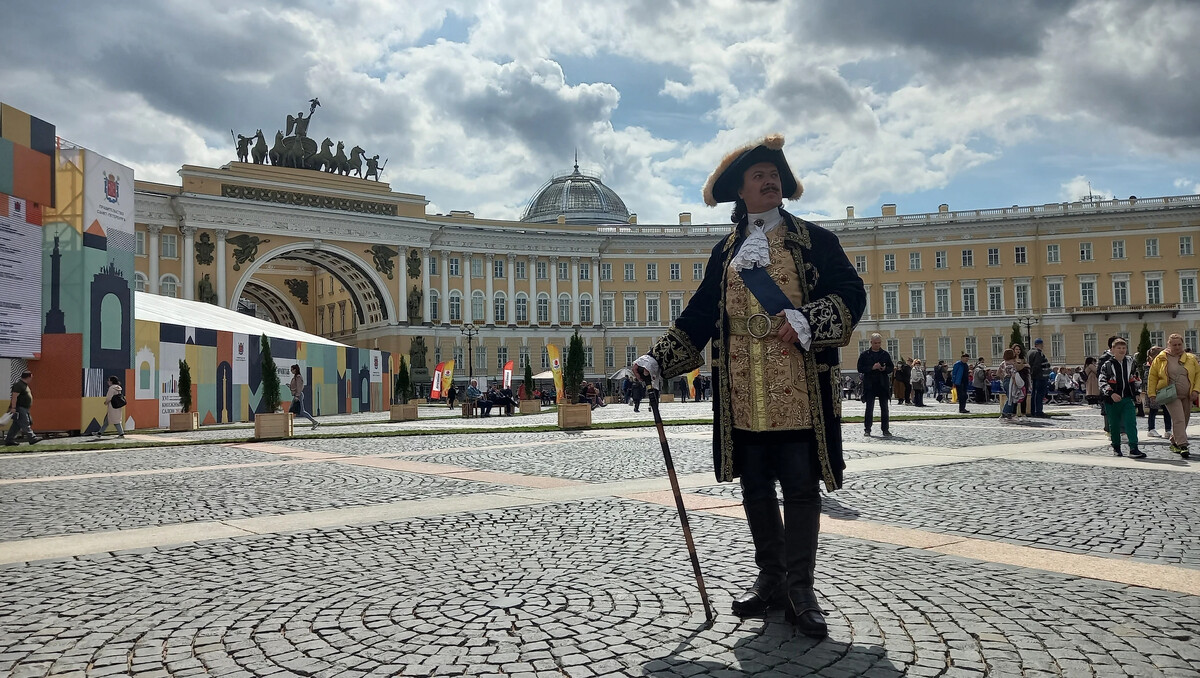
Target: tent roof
159 309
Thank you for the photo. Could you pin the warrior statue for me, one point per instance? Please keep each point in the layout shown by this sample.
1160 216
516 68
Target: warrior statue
243 146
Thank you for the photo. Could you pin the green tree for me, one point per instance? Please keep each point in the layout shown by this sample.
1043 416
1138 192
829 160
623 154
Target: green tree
1017 339
1144 345
528 379
403 383
270 378
185 386
573 369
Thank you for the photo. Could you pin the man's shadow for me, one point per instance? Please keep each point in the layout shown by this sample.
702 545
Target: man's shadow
776 650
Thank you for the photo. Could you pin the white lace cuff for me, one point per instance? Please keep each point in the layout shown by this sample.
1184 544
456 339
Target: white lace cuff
651 365
754 251
799 323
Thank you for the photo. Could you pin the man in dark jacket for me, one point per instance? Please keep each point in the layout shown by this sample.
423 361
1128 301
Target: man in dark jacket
1039 374
960 378
875 364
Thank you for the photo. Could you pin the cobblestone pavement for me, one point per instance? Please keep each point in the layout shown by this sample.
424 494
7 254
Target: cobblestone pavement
958 548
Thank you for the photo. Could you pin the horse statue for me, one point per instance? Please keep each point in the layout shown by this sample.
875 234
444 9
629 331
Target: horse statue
341 164
324 158
356 158
275 155
259 152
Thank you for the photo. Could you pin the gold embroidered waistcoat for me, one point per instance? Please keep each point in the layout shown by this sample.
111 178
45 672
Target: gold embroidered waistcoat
767 378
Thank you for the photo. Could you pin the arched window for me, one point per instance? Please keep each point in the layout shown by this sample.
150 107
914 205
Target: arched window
168 286
564 309
522 307
477 306
455 306
434 310
543 308
139 282
500 308
585 308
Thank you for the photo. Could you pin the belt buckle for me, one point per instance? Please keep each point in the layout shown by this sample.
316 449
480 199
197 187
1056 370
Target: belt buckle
760 322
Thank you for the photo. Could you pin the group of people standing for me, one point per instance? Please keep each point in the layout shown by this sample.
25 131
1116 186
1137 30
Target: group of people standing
1172 385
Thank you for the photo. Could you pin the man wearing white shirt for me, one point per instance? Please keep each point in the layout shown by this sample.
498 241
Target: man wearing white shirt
778 298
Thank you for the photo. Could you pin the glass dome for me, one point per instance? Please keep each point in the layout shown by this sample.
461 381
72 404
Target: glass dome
581 197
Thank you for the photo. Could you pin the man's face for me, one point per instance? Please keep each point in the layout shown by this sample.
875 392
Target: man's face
875 344
761 188
1119 351
962 359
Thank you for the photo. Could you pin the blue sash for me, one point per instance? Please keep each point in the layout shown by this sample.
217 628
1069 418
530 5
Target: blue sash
765 290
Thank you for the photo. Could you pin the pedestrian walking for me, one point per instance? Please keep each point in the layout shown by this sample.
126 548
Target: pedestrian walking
19 406
778 298
297 387
1091 374
979 381
1175 370
1120 385
114 402
1155 406
918 383
960 378
875 364
637 391
939 380
1039 376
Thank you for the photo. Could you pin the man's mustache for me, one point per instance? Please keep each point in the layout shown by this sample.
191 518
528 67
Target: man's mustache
769 188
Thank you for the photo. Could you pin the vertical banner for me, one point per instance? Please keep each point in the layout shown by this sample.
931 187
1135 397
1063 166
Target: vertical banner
376 367
692 381
241 359
435 391
508 370
20 278
108 201
448 375
556 369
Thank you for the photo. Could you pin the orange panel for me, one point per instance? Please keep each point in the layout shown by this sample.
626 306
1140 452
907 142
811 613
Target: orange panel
31 175
58 384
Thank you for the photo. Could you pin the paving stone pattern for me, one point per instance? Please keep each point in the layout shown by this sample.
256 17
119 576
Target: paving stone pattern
92 504
405 444
595 588
115 461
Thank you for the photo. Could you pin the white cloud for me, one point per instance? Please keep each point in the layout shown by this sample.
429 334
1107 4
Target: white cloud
1079 187
1189 186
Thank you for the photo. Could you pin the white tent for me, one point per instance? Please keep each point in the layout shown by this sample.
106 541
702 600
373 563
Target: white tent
621 374
548 374
160 309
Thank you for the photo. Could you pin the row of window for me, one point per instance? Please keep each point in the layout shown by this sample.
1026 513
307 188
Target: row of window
941 259
542 269
999 342
542 308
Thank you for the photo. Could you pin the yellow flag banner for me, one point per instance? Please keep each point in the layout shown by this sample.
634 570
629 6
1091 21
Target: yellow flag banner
447 375
692 381
556 368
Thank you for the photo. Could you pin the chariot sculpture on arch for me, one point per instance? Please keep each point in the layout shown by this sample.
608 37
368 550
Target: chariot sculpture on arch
294 148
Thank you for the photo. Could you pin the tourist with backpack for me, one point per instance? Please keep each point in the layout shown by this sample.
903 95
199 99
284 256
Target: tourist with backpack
114 400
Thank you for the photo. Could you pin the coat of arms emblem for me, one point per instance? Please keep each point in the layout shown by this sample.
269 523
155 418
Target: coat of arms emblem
112 188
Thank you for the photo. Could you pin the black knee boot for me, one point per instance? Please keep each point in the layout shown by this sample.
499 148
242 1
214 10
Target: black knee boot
802 524
766 529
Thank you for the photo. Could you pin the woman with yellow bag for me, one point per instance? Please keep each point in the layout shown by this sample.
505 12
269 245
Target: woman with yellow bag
1174 383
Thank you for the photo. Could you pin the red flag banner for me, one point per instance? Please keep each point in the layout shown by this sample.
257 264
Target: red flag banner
436 391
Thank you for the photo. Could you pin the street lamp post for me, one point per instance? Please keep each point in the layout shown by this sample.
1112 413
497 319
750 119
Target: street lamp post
469 331
1028 321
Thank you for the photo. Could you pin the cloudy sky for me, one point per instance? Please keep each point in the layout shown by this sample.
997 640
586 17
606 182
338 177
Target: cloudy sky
478 103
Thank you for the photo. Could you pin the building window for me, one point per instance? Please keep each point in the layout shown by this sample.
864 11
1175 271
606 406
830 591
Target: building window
891 303
1118 249
433 265
889 262
652 310
1151 247
588 357
434 311
1154 291
500 308
1057 342
1053 256
918 348
610 357
863 345
697 271
585 270
545 358
1157 338
168 286
564 270
676 273
481 356
497 268
606 272
1022 296
940 260
540 270
606 311
675 307
501 358
971 345
459 360
543 308
630 354
968 258
944 349
476 267
941 298
1054 295
1087 293
139 243
169 246
585 309
993 256
522 308
629 272
1187 289
914 261
916 301
1120 292
860 263
320 320
453 267
968 296
1085 251
139 282
564 309
630 309
995 299
455 306
893 348
652 271
1185 245
1020 256
519 270
522 361
1190 341
1090 344
997 346
477 306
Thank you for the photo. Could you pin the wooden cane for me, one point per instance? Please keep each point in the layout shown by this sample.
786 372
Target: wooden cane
683 519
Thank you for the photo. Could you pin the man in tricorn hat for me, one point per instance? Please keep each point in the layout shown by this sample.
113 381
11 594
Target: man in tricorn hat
778 298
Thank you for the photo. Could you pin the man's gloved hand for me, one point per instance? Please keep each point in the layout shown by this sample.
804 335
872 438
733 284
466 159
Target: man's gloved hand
646 369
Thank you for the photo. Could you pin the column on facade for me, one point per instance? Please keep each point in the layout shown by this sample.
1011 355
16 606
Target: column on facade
511 307
188 262
554 291
489 310
532 307
595 290
222 299
401 287
574 290
465 269
445 310
152 250
425 285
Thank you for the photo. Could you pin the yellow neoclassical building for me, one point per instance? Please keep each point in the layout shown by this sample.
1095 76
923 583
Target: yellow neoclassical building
353 260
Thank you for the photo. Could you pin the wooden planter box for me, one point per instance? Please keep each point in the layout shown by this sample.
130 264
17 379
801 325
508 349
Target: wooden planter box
666 398
404 412
277 425
185 421
612 400
574 416
531 406
418 401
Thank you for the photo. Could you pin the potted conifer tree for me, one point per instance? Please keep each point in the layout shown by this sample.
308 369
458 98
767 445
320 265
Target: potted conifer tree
270 422
571 413
186 420
402 411
530 404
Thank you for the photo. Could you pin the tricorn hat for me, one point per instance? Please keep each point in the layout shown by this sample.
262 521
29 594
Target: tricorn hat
725 181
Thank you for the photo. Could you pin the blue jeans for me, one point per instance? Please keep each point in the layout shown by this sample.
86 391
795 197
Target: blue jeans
1010 405
1039 397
